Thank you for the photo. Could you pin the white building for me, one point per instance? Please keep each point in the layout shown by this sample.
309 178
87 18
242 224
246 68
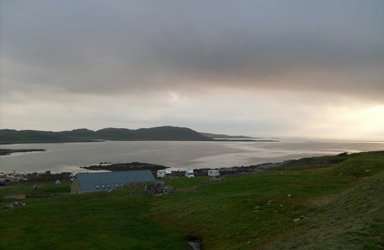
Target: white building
161 173
189 173
213 173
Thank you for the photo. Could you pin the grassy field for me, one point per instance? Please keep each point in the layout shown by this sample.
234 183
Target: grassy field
340 206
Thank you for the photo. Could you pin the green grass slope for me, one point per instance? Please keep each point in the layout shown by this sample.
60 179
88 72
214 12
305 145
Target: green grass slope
335 207
245 212
354 219
115 220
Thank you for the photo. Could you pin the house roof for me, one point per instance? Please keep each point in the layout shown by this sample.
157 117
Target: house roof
89 181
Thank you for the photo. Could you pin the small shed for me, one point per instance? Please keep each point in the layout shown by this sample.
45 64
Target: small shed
108 181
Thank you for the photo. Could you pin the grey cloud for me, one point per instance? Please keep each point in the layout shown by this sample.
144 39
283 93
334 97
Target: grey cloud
105 47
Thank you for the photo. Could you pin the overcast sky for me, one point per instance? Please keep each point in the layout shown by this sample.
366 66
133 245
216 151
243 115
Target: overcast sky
256 67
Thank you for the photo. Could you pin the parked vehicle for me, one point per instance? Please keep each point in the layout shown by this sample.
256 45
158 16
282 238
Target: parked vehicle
189 173
161 173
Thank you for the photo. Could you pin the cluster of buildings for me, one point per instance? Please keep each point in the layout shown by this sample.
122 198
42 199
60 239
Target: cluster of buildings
108 181
190 173
6 178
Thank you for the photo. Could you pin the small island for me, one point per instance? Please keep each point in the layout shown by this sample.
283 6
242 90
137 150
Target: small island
4 151
125 166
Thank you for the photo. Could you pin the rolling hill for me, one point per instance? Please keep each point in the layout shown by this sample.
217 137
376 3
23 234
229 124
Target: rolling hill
8 136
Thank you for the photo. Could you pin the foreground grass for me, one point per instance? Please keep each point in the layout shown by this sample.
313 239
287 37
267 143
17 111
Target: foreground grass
97 221
247 211
336 207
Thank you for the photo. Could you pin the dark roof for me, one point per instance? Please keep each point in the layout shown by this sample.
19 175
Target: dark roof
89 181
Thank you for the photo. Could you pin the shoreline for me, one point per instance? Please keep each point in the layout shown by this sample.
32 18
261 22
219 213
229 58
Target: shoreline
305 162
301 163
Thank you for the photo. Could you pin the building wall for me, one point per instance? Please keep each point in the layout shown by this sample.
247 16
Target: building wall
75 187
107 181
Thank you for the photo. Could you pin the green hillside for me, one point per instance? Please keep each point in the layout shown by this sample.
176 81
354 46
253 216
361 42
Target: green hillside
336 207
8 136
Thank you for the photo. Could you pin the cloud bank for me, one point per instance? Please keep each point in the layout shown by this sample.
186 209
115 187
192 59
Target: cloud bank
155 55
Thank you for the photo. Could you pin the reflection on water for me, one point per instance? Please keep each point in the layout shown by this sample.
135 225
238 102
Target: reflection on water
71 156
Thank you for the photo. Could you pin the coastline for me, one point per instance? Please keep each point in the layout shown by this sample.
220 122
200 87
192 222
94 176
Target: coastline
300 163
306 162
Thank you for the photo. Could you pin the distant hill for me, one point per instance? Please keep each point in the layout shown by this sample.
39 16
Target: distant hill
8 136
